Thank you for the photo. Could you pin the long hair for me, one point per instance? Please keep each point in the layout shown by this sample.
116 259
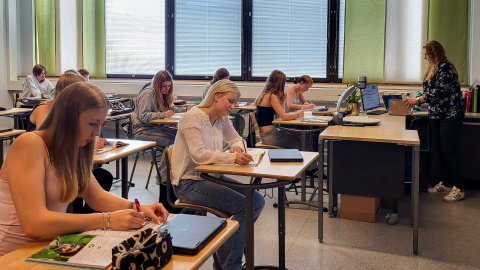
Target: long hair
164 102
275 85
304 78
435 55
65 80
37 70
221 87
73 163
220 74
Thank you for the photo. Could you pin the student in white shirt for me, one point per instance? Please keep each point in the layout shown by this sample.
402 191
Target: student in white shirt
36 85
199 140
294 94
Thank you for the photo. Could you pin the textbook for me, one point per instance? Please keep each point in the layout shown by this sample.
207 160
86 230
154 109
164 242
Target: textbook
88 250
110 146
256 155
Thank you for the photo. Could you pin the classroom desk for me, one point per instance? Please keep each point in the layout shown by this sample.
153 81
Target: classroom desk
16 259
6 136
116 119
166 121
283 172
300 123
16 113
328 112
122 153
382 142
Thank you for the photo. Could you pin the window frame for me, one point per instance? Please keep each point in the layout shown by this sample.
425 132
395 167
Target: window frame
246 57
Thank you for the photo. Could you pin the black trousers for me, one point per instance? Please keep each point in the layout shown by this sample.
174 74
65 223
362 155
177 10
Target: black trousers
445 134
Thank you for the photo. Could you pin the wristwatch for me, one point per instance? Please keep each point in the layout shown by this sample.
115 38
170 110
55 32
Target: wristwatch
418 99
130 206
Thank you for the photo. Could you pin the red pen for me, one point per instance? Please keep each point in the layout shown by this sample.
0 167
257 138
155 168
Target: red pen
137 205
244 148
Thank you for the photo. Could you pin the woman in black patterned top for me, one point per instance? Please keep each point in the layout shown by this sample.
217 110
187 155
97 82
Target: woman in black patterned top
446 110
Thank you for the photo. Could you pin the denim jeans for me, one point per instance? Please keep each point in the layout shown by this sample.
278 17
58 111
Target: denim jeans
229 200
445 133
162 135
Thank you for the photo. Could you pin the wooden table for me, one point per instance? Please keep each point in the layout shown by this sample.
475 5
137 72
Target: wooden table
5 136
298 122
385 144
16 113
328 112
16 259
122 153
284 172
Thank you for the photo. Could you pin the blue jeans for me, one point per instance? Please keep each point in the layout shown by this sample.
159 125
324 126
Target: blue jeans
229 200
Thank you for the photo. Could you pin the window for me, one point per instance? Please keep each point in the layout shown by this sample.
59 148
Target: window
135 37
406 29
208 36
192 38
291 36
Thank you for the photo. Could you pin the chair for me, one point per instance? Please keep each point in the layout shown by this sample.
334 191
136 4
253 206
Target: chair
16 97
182 205
256 129
154 151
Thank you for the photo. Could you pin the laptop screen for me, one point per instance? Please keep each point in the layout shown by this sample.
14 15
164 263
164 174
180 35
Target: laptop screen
371 98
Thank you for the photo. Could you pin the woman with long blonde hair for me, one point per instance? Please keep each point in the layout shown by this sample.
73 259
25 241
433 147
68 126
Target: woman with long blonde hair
47 169
446 110
294 94
200 138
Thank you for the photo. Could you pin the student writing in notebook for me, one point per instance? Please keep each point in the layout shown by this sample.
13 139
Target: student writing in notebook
294 94
199 140
36 85
271 102
156 102
39 114
47 169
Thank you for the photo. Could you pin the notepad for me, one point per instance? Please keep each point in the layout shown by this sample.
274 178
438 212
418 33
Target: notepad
110 146
256 155
313 119
178 116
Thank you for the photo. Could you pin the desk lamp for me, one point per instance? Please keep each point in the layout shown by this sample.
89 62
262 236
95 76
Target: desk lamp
337 115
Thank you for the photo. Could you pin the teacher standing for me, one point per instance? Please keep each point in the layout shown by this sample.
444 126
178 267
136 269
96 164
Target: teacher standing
446 110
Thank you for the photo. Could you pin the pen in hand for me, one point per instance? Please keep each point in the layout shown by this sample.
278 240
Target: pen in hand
137 205
244 147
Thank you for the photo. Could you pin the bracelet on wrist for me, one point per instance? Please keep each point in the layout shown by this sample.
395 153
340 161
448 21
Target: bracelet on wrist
108 221
103 218
130 206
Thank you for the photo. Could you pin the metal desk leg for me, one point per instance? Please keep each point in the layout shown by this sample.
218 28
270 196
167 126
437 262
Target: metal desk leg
320 192
304 178
281 228
125 177
250 247
117 135
415 188
330 180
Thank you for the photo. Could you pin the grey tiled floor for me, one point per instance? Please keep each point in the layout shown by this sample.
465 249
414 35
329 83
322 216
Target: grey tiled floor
449 235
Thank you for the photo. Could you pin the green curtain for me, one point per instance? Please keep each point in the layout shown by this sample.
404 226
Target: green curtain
94 37
45 34
448 24
364 40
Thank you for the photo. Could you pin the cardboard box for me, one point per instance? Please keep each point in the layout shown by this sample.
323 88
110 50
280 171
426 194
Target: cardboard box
359 208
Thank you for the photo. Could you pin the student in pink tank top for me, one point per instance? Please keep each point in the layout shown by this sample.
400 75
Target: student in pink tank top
46 170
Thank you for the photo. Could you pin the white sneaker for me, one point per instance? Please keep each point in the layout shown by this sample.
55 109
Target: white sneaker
439 188
455 195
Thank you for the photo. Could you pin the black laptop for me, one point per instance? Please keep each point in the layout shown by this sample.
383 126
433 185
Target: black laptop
285 155
191 233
